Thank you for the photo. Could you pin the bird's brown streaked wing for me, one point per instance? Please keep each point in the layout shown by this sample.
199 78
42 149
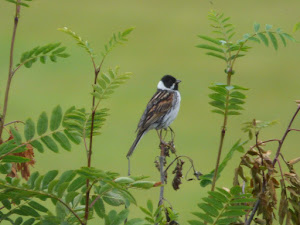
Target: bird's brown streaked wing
158 106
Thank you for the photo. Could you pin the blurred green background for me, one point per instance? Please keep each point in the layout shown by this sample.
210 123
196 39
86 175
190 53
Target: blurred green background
162 43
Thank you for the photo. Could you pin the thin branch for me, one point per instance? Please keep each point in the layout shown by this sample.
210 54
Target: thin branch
294 130
10 70
87 199
162 174
285 134
12 122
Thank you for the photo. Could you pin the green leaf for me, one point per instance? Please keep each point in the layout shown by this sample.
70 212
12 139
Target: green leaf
218 104
195 222
254 39
6 203
29 129
62 140
16 135
143 184
66 176
213 202
218 196
236 190
223 221
215 41
296 27
18 221
99 208
121 217
56 118
216 55
29 221
43 59
124 180
282 39
289 37
61 189
29 211
233 213
49 176
38 206
243 200
52 185
113 198
42 124
263 38
217 97
236 101
5 168
76 184
150 206
218 111
273 40
203 216
37 183
72 137
268 27
233 113
209 209
209 47
136 221
36 144
14 158
237 94
32 179
48 141
256 27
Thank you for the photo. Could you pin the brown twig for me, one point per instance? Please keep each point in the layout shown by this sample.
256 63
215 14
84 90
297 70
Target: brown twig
10 70
162 173
89 154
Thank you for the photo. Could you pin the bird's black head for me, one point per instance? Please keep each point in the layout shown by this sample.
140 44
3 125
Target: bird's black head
169 82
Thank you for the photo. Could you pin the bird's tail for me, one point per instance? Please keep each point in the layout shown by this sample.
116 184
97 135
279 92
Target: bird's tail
136 141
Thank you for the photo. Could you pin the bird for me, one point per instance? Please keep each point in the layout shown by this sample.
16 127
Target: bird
161 110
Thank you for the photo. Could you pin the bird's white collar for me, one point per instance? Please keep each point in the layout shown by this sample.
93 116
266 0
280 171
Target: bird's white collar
161 86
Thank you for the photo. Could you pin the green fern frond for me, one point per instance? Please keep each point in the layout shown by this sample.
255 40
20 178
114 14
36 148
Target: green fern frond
45 133
52 51
78 122
117 39
82 43
223 207
108 82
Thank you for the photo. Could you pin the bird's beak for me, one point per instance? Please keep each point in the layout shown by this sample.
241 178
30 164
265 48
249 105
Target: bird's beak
178 81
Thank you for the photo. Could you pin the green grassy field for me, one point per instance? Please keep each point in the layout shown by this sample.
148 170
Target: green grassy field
162 43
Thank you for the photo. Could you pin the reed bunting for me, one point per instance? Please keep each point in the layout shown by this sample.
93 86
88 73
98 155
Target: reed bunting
161 110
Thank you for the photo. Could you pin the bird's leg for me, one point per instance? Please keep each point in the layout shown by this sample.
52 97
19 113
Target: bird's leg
128 158
166 133
158 134
172 133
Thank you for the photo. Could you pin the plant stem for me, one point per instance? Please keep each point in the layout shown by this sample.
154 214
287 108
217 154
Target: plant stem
223 131
162 174
89 155
284 136
10 70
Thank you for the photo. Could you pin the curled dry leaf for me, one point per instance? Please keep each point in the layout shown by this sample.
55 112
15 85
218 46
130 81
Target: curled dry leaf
178 174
